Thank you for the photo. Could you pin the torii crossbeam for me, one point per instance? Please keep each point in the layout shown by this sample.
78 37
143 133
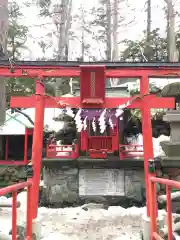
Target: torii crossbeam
92 95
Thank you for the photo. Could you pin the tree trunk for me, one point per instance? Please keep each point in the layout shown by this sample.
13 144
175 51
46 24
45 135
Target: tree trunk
108 30
115 53
67 28
3 54
148 21
61 29
82 34
171 37
148 51
62 86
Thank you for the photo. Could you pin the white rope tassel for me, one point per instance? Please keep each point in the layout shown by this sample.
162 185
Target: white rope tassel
69 112
94 125
111 124
102 114
78 121
120 109
119 112
78 114
102 123
80 127
85 123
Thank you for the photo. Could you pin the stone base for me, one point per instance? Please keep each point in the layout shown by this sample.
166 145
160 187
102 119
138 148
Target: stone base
146 227
21 231
36 229
171 149
63 187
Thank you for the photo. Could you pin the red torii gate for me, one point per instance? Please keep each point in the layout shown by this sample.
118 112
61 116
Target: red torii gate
92 95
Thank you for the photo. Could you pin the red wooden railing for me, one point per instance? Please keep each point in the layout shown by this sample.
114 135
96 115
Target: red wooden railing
64 151
13 189
99 146
130 151
153 206
100 143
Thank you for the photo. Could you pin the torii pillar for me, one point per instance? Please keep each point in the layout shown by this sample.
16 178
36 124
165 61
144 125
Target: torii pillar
92 95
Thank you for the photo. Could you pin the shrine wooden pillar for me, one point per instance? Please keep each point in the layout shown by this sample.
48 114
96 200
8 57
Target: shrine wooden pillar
37 143
147 134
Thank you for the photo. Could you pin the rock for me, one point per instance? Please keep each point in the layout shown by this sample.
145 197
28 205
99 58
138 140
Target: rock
21 233
5 237
92 206
59 236
134 185
60 186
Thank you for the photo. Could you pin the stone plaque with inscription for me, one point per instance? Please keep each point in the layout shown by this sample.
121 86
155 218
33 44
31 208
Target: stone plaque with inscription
101 182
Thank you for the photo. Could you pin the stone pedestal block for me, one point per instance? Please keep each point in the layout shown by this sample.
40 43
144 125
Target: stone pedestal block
173 118
172 147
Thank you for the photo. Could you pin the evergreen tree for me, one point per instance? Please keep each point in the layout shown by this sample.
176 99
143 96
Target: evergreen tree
17 36
137 51
17 33
59 12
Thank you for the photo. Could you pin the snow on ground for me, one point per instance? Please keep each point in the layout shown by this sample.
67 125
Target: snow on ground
86 222
76 223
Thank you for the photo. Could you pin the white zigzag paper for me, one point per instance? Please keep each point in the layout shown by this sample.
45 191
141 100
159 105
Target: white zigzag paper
94 125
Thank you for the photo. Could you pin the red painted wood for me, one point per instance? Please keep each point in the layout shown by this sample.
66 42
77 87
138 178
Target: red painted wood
84 140
134 72
93 154
151 101
12 162
92 84
37 144
7 148
147 134
61 152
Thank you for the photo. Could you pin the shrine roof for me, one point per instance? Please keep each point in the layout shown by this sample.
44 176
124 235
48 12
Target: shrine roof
105 63
16 123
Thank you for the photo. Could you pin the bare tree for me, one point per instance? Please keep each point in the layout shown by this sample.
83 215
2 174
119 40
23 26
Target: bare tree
59 12
3 54
115 53
171 36
62 20
148 20
147 52
108 30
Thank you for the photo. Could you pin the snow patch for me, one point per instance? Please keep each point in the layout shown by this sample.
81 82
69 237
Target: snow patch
138 140
77 223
